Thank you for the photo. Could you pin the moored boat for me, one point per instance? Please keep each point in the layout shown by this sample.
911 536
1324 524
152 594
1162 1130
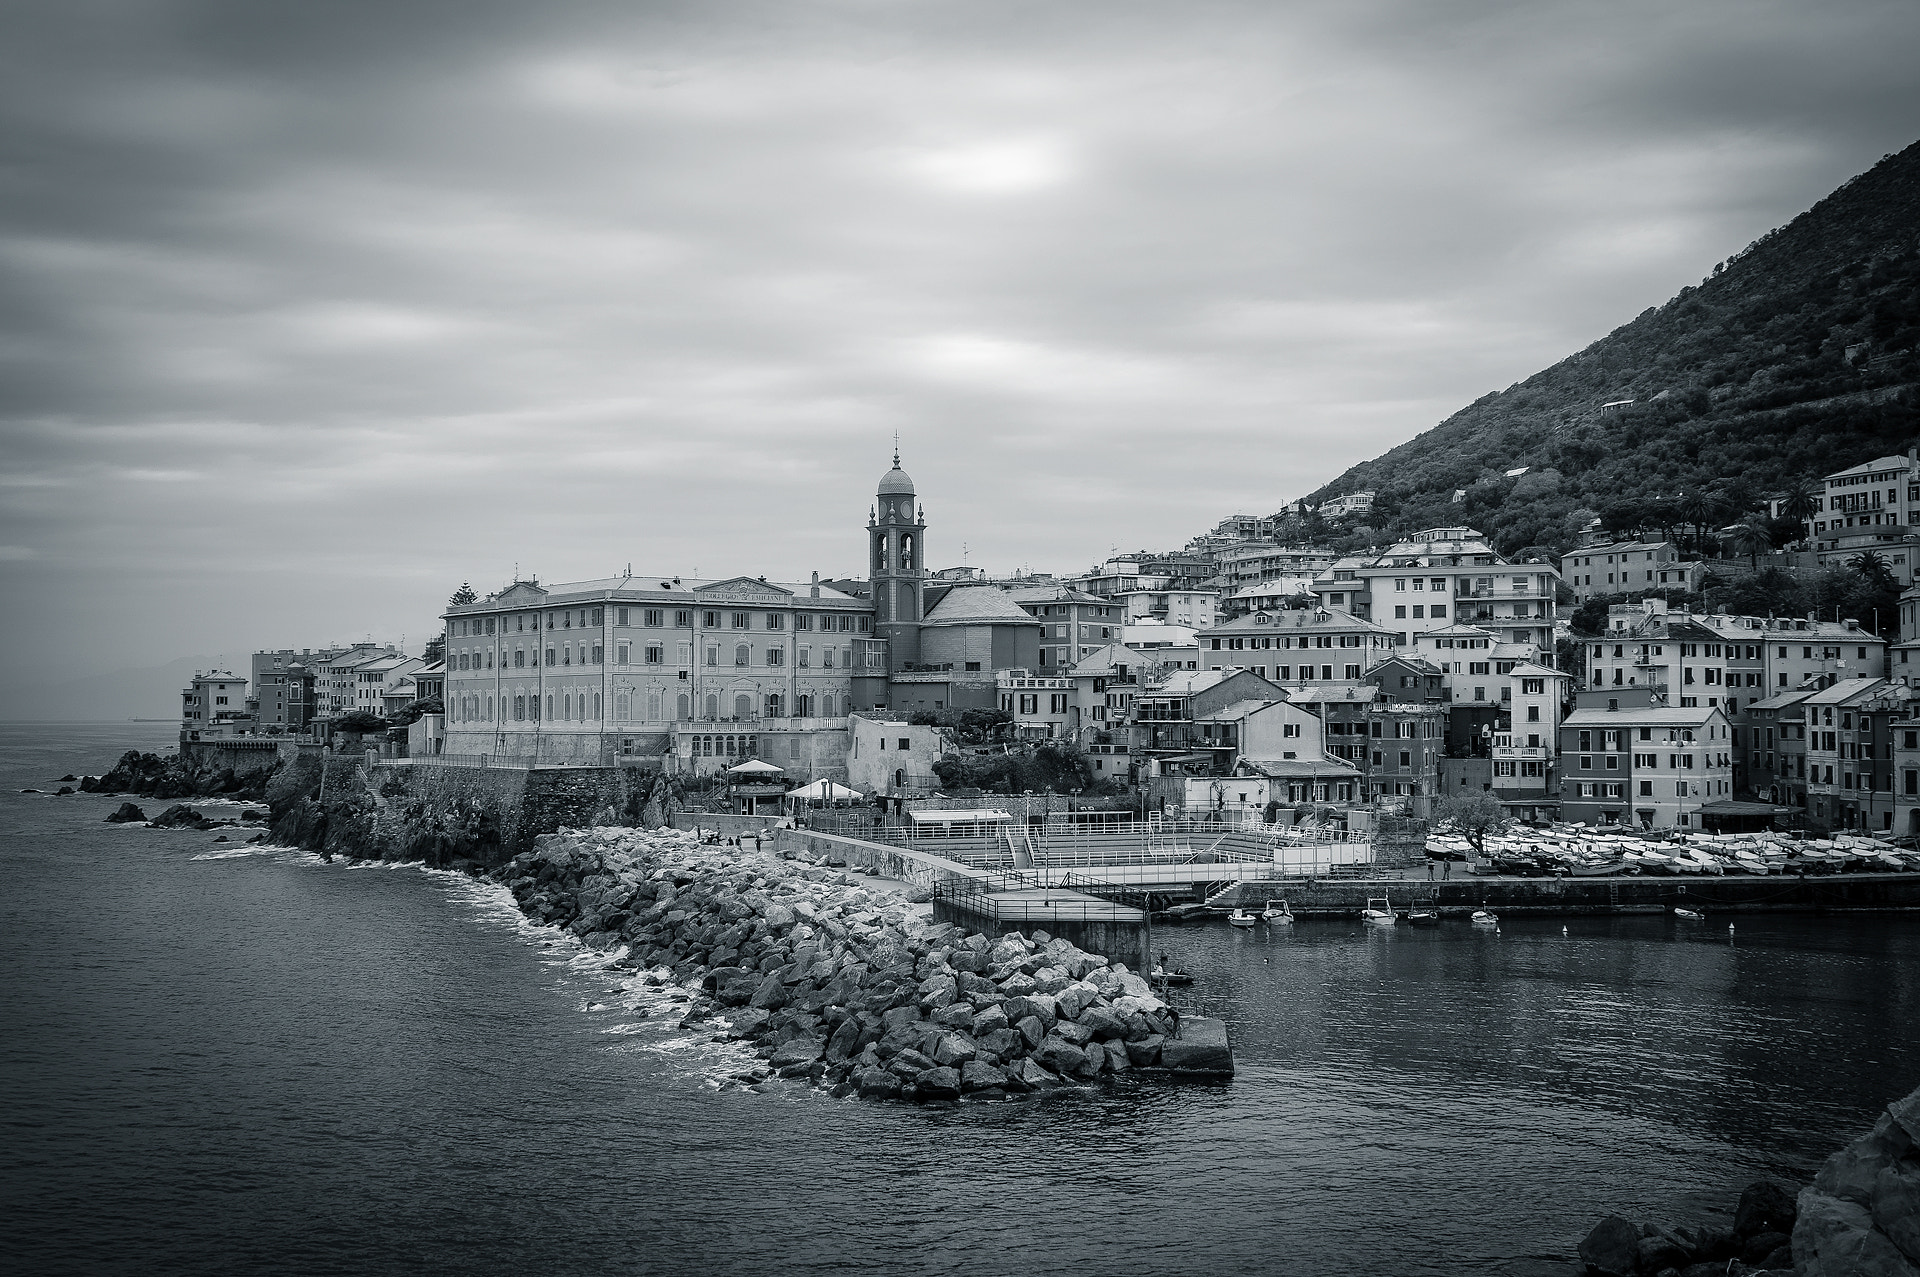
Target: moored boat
1241 918
1379 909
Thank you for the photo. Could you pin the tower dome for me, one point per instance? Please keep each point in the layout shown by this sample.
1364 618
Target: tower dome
895 482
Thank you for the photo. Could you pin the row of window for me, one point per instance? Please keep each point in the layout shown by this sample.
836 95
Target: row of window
524 707
656 654
1681 788
657 618
1286 642
1284 673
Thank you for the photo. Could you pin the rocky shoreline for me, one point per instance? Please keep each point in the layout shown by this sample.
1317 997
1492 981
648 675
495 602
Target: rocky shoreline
839 984
1859 1218
154 776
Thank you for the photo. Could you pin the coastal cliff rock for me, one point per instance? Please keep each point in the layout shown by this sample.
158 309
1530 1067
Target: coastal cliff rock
1859 1218
837 984
152 776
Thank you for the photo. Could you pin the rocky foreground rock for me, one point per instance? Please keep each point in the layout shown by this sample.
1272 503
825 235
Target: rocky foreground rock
834 981
1860 1218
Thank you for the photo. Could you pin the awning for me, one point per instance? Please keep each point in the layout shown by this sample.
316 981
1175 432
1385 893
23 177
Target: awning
756 766
824 790
957 816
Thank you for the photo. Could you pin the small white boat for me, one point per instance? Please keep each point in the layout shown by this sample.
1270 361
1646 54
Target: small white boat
1692 914
1277 914
1485 918
1241 918
1379 909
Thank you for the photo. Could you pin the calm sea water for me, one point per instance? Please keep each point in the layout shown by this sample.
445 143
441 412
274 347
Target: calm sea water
221 1058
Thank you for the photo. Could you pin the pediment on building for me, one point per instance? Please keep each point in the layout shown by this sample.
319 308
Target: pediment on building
745 589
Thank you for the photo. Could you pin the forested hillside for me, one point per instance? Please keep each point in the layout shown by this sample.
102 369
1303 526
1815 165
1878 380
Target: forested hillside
1795 359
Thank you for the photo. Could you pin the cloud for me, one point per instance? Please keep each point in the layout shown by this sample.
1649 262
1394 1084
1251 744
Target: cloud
352 302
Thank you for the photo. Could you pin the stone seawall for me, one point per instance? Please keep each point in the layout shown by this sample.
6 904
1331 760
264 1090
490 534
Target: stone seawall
1521 897
838 983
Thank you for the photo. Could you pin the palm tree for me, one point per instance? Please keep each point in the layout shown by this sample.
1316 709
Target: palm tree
1870 564
1800 500
1754 537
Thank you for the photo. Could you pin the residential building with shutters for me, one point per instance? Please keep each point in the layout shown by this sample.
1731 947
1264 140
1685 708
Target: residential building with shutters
1851 729
1629 567
1653 767
1770 749
1297 647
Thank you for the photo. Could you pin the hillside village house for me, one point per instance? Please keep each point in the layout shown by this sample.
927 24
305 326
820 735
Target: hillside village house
890 756
1073 623
1442 577
1851 730
1871 507
213 704
1621 567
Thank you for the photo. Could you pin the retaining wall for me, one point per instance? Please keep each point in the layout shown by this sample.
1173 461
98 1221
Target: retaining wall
1521 897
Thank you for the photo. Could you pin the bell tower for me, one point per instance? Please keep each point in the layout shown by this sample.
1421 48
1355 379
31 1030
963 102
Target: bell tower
896 536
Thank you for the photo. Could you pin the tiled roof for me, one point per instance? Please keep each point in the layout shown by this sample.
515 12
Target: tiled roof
978 605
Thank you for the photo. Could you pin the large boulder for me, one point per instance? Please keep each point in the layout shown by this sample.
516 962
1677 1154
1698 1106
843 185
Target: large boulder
877 1083
1145 1052
772 993
975 1076
938 1084
1612 1249
954 1049
126 813
1061 1056
987 1021
1851 1173
1896 1207
1836 1238
845 1040
1072 1000
1765 1207
1029 1074
1102 1023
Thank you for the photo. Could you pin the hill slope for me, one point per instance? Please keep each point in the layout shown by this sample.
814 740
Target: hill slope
1739 387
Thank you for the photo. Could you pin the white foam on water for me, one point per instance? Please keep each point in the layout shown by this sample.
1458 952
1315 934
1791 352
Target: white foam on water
231 853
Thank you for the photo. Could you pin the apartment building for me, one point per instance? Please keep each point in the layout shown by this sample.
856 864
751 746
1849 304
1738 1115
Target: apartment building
1252 562
1043 706
1396 745
1728 661
1298 646
1442 577
1621 567
1176 589
1871 507
1352 503
214 701
1653 767
1850 752
1770 749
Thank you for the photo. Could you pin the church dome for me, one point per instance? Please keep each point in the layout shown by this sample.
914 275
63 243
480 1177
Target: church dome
895 482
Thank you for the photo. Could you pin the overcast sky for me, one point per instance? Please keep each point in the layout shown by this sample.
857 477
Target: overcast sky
310 311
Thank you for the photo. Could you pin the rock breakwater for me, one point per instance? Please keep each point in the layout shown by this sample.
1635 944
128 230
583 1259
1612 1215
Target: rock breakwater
841 984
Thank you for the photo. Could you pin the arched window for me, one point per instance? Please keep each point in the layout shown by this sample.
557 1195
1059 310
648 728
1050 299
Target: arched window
713 705
803 706
906 551
900 778
743 706
549 701
596 705
773 705
742 654
683 707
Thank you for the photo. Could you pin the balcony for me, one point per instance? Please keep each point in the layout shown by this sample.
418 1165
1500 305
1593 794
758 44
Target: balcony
1538 752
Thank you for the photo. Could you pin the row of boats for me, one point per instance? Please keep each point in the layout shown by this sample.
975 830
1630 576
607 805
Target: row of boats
1581 852
1378 912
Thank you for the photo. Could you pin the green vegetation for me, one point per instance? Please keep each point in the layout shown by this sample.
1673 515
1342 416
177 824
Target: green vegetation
1473 817
1054 765
1796 358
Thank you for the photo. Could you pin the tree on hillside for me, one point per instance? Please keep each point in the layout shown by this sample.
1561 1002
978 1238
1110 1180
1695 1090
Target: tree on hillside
361 721
1754 537
462 596
1590 617
1473 817
1800 500
1872 568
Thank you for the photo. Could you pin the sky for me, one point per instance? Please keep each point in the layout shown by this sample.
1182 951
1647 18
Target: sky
310 312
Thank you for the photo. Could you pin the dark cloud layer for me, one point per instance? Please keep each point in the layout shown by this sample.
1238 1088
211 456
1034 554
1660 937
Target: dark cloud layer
308 312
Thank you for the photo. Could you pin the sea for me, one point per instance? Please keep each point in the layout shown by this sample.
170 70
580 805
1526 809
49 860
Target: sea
230 1058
